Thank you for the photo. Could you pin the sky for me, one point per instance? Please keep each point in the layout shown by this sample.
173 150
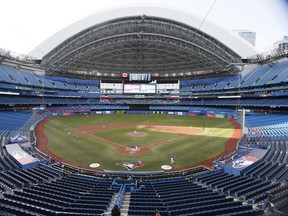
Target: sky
27 23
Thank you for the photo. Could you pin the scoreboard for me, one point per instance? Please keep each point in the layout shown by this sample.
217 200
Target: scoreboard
139 89
140 77
146 77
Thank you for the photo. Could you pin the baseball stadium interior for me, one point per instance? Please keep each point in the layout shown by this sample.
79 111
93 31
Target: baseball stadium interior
146 64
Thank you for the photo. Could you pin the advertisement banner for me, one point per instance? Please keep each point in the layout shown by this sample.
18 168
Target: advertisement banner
66 111
120 111
108 112
229 116
209 115
219 116
158 112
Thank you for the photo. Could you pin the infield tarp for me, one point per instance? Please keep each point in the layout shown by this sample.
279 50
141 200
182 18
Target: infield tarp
23 158
238 164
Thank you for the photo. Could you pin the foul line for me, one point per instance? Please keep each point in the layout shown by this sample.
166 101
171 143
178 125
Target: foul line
75 135
177 137
99 138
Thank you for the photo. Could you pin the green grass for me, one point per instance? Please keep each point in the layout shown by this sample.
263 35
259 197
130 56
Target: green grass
122 136
84 150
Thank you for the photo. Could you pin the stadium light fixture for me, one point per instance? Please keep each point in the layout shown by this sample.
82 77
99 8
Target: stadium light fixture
140 34
143 16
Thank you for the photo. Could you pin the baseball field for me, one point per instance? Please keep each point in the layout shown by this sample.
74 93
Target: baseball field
111 140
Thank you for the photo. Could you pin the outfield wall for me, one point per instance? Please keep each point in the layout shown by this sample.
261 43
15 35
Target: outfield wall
209 114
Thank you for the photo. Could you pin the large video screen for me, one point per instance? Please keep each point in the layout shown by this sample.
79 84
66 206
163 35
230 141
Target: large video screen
139 89
140 77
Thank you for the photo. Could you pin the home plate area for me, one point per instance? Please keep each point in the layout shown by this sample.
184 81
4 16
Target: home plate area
133 149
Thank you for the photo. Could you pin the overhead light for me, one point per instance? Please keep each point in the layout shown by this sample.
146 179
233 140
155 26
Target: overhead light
143 16
140 34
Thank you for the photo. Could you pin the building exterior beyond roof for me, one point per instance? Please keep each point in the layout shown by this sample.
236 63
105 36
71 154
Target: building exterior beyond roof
161 41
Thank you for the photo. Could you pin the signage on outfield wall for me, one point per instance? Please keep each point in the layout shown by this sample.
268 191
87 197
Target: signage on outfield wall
210 115
158 112
246 110
67 111
171 113
192 114
108 112
120 111
229 116
219 116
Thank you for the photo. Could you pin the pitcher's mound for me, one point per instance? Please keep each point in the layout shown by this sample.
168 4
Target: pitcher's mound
137 134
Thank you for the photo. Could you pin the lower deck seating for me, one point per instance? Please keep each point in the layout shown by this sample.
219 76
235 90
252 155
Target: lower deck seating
178 196
69 195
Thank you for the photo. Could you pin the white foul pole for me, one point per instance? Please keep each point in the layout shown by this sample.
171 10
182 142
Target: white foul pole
243 121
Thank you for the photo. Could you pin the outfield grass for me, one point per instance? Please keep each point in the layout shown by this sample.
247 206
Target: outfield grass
84 150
